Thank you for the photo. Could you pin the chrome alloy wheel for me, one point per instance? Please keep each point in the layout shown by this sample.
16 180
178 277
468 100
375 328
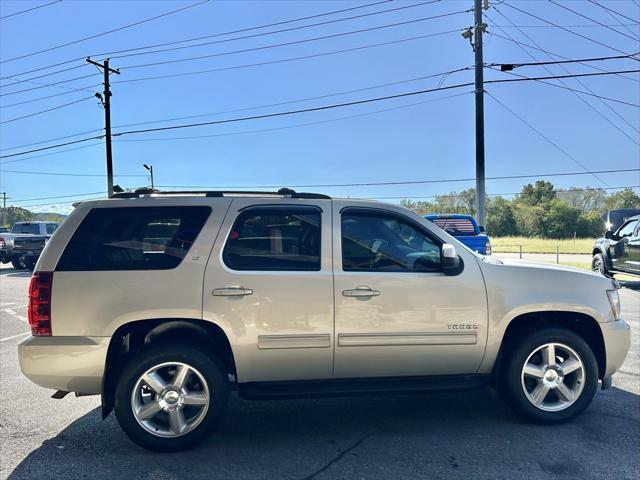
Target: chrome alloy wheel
553 377
170 399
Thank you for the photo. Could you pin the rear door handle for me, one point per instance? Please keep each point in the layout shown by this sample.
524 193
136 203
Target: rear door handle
231 292
361 291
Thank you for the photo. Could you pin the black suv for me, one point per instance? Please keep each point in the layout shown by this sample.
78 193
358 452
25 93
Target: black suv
619 251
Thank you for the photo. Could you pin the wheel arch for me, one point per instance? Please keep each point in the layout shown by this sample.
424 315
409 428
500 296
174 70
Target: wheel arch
133 337
582 324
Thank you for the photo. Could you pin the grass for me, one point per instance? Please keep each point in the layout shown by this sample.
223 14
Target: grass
541 245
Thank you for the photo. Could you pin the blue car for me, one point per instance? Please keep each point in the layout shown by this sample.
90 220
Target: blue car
465 229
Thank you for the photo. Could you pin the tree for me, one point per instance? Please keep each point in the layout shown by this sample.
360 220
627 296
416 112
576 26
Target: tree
501 221
626 198
584 199
539 194
11 215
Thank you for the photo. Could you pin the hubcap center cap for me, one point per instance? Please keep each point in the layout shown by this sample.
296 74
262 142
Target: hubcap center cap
172 397
551 378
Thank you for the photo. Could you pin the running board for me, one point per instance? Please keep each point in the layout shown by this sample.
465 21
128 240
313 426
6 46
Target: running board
359 386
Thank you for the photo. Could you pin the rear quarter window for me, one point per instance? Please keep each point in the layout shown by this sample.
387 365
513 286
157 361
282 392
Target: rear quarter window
134 238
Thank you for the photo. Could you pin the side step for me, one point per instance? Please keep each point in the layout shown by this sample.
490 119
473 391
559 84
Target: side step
359 386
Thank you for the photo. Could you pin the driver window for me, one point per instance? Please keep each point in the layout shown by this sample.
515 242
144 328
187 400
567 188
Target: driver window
627 230
378 242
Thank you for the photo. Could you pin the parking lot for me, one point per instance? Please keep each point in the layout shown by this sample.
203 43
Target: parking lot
463 435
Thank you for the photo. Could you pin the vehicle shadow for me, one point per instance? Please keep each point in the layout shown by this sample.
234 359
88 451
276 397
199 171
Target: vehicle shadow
12 272
461 435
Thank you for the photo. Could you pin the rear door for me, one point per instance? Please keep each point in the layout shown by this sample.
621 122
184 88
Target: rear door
269 285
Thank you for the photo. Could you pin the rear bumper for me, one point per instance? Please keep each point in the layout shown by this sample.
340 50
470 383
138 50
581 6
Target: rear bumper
73 364
617 339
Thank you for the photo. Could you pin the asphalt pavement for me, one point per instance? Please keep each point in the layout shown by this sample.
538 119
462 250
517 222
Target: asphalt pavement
463 435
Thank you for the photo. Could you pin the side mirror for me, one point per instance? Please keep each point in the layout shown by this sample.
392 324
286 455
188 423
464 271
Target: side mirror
482 229
609 235
451 263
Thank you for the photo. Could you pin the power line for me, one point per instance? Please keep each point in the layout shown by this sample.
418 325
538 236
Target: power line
273 62
111 54
29 10
407 182
69 174
591 19
564 28
45 85
583 100
207 36
572 26
59 196
613 11
538 48
51 153
295 42
277 104
314 109
557 62
47 110
559 148
30 79
46 97
90 37
620 23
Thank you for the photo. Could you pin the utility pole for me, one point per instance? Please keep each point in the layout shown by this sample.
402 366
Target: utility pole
4 208
150 170
478 30
106 102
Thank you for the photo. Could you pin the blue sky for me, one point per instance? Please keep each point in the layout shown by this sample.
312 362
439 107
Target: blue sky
415 138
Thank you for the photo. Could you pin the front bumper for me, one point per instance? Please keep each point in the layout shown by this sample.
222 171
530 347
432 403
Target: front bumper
617 340
72 364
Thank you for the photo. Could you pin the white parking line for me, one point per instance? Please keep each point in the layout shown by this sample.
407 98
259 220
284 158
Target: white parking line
14 336
15 315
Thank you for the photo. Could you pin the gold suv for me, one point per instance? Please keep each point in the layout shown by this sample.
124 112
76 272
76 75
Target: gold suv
164 302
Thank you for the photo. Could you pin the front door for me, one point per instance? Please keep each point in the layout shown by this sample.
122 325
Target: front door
396 313
622 249
269 285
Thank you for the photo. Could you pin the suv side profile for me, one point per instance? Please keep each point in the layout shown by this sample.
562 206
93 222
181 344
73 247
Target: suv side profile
164 302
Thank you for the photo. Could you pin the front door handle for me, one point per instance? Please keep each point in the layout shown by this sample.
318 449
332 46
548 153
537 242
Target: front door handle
233 291
361 291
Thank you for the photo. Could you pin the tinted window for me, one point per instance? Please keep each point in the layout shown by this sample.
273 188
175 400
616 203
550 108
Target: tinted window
456 226
138 238
32 228
385 243
627 229
274 240
51 227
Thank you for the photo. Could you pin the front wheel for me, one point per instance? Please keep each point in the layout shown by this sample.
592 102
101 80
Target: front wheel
598 264
550 376
18 262
170 398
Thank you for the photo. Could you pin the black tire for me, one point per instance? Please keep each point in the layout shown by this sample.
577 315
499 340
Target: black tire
217 383
30 263
598 264
18 262
512 383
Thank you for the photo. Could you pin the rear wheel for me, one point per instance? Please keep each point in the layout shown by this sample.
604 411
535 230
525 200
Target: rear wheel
170 398
550 376
18 262
598 265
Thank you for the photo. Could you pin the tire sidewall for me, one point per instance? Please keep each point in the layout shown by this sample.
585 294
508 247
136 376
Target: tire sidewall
600 258
519 354
205 364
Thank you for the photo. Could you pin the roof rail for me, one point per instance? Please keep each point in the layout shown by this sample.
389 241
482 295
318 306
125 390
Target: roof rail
283 192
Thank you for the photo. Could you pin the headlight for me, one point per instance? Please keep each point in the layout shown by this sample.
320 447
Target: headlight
614 301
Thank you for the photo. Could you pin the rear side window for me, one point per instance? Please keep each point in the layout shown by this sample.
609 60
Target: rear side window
456 226
277 240
138 238
51 227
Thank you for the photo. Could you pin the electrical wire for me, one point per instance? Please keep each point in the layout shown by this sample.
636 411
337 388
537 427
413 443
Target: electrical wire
613 11
90 37
635 38
69 174
30 79
295 42
557 62
315 109
46 97
29 10
620 23
104 54
46 111
564 28
551 142
45 85
22 159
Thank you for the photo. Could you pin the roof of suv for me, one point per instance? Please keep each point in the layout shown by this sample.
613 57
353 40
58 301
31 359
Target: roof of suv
283 192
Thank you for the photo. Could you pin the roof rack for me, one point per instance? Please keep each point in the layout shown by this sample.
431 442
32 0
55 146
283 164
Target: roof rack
283 192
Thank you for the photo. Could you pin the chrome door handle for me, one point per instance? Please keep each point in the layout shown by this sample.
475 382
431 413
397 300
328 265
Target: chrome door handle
361 291
231 292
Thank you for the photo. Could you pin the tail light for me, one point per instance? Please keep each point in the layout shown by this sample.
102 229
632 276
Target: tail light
3 243
40 303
